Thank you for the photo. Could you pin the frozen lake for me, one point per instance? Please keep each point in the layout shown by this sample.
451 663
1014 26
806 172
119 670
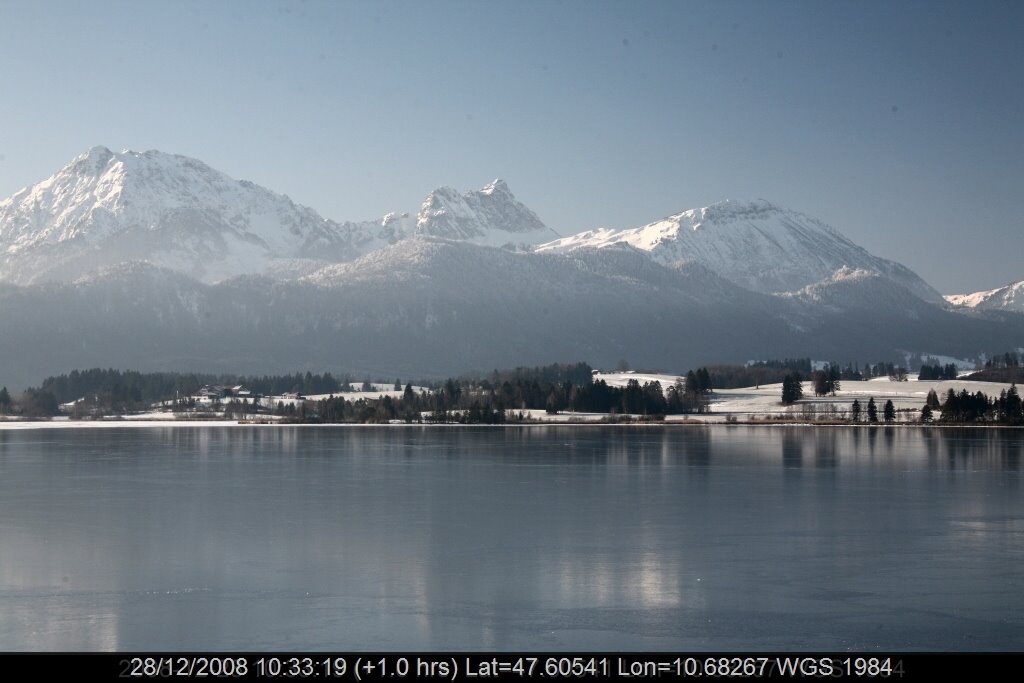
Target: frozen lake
536 538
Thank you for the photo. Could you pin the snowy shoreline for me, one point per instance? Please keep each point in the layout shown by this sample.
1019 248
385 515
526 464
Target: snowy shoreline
23 425
749 406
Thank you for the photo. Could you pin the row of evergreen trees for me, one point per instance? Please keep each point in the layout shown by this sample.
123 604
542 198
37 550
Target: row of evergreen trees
130 389
32 403
937 372
555 388
503 397
1007 359
799 365
967 408
958 408
476 405
871 413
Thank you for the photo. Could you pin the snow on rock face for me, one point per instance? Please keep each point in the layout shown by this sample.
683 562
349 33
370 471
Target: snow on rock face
1007 298
756 244
490 216
104 208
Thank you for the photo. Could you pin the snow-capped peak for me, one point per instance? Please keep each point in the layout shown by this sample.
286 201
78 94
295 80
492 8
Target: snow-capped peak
755 243
106 207
497 185
98 156
1006 298
490 216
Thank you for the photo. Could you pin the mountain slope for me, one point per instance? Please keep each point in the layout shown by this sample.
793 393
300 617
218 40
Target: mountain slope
490 216
1008 298
757 245
424 306
106 208
432 307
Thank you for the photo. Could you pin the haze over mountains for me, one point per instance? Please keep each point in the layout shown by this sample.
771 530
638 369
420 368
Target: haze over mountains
157 261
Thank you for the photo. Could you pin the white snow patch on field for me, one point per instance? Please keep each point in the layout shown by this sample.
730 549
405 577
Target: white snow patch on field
619 379
750 402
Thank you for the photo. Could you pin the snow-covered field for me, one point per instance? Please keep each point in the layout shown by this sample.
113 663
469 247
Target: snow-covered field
379 390
752 402
619 379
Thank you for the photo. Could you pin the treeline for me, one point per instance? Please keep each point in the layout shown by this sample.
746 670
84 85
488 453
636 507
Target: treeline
800 365
554 388
556 373
1001 367
473 404
126 387
121 389
967 408
937 372
855 372
775 371
109 391
1007 375
504 396
32 403
737 376
559 387
1007 359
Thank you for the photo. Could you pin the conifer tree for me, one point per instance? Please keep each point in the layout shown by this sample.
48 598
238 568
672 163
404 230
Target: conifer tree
704 379
792 389
692 385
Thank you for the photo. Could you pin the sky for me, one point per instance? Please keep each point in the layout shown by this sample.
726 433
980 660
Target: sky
901 124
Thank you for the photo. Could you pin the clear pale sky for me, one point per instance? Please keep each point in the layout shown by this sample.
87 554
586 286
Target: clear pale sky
899 123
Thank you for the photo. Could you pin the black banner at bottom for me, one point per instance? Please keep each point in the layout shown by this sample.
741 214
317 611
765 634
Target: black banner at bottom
505 666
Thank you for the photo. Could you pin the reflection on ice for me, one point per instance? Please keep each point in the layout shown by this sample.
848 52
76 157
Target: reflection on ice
520 538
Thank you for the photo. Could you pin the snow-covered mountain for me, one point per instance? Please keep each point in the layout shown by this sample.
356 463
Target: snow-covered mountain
106 208
1006 298
162 262
490 216
755 244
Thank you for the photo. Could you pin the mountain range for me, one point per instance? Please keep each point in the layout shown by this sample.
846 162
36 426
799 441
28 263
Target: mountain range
157 261
106 208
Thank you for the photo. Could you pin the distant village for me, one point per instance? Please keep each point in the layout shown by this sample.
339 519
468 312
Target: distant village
215 396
